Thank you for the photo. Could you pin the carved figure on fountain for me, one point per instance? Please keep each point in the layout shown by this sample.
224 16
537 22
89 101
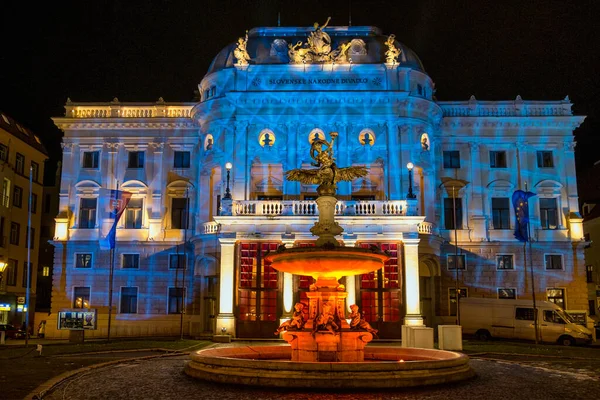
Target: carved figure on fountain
326 321
357 322
296 323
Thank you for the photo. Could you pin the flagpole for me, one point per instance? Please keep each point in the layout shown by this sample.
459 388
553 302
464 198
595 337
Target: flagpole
110 281
456 288
535 311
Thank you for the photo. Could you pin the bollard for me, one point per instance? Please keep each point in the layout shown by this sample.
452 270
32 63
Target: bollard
39 349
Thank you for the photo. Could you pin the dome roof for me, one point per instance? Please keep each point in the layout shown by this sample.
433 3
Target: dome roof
270 46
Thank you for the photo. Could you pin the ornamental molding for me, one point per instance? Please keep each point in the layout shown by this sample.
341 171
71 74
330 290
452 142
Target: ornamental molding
512 122
82 124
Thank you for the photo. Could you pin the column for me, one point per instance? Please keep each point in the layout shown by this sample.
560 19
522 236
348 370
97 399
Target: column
237 141
288 281
394 159
476 208
350 241
412 296
226 319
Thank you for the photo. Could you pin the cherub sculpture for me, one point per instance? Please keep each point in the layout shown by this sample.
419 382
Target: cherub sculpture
325 321
392 53
328 174
240 52
296 323
357 322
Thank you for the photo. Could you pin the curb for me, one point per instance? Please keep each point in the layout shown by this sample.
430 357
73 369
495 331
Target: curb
45 387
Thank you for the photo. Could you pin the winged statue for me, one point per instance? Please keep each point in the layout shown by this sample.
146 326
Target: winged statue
328 174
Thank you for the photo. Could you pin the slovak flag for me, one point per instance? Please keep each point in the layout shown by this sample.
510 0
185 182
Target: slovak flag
113 205
520 200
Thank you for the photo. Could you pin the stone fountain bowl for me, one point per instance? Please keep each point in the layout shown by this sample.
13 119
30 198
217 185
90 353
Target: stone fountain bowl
384 367
327 262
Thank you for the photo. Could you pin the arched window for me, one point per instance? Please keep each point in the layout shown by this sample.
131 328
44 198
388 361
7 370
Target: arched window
366 137
266 138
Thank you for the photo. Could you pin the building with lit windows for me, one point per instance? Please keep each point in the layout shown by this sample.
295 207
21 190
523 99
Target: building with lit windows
20 149
209 198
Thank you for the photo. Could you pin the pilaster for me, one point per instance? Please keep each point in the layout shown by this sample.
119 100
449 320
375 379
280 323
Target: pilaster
412 293
226 319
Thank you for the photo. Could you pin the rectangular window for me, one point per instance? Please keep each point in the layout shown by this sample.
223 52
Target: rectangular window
136 160
81 297
19 163
501 212
6 193
131 261
556 296
3 153
507 293
24 283
177 261
129 299
33 203
176 296
18 196
553 261
592 307
91 159
545 159
451 261
35 171
45 271
452 212
181 159
83 260
11 272
498 159
548 213
524 313
15 233
589 273
504 262
87 213
452 159
452 298
30 239
179 206
133 214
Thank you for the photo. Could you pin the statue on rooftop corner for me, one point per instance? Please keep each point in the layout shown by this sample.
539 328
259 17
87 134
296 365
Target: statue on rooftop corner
319 41
392 53
240 52
328 174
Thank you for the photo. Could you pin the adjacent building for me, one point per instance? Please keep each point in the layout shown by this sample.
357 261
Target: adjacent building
209 197
21 151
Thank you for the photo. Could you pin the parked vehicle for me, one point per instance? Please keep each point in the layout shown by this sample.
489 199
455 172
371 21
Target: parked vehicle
514 319
12 332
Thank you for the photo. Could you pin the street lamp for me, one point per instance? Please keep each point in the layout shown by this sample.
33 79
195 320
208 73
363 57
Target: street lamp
3 265
410 194
228 167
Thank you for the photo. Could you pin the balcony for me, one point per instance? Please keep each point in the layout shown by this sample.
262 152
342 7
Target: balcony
309 208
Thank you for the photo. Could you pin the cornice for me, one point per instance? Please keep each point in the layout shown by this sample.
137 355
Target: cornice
570 122
124 123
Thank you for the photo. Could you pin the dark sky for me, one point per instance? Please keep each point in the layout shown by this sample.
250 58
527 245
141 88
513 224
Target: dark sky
139 51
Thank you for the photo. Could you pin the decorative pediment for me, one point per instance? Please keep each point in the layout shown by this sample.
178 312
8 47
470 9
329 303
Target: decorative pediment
269 184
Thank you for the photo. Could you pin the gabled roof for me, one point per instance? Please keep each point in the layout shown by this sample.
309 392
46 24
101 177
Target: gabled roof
20 132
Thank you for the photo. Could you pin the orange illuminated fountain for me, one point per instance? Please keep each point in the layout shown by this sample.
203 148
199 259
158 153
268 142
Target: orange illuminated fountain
325 350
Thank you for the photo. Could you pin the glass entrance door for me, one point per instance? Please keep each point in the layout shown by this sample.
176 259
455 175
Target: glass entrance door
380 294
258 287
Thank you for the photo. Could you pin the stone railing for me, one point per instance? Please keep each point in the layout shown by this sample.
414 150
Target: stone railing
426 228
210 227
511 108
116 109
309 207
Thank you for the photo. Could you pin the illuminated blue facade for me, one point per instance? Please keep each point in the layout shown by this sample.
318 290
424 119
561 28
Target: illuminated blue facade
468 156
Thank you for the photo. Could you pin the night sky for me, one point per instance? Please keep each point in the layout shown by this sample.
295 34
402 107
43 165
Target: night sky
140 51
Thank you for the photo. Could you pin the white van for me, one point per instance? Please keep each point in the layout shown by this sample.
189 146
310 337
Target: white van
514 319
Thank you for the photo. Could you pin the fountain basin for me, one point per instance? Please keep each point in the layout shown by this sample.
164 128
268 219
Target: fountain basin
331 263
384 367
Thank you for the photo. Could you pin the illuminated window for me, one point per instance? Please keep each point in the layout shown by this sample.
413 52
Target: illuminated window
45 271
463 292
179 213
81 297
176 299
11 272
131 261
135 160
133 214
589 273
453 212
129 300
498 159
20 163
452 159
18 196
505 261
91 159
452 258
6 193
266 138
367 138
548 213
15 233
545 159
83 260
507 293
181 159
556 296
177 261
87 213
35 171
553 261
501 213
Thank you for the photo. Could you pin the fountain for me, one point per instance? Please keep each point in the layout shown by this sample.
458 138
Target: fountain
326 351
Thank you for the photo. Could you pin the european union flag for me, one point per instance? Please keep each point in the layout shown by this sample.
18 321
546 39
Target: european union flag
520 200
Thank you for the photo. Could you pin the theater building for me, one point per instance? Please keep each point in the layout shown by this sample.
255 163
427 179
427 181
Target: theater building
209 198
